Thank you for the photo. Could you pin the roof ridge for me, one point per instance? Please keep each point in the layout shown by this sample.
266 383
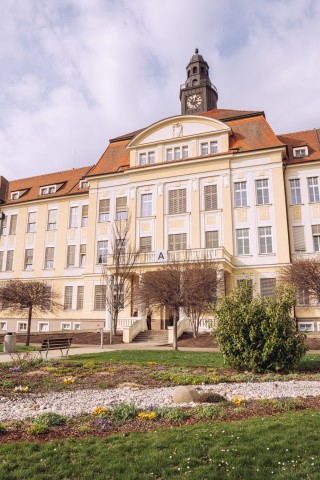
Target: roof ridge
300 131
52 173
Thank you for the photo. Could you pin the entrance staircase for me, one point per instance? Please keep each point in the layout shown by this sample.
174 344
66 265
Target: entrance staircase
159 337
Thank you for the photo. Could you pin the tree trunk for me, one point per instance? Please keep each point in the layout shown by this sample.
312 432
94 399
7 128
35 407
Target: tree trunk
29 325
175 331
115 321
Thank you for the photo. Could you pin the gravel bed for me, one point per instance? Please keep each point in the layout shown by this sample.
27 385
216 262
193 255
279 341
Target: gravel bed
73 403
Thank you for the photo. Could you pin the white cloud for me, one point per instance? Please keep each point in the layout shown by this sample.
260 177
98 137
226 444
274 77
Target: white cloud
78 72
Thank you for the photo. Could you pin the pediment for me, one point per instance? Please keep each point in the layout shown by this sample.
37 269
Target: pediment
178 127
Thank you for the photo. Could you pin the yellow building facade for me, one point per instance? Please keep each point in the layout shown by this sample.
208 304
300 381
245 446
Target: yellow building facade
210 182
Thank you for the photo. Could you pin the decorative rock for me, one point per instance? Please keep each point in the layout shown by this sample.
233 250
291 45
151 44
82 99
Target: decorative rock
185 395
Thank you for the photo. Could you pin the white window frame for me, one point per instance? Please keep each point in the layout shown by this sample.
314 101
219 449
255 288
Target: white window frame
63 324
147 205
295 191
68 308
28 265
32 226
76 324
209 147
48 264
73 216
84 218
46 190
19 326
15 195
84 184
4 327
313 189
43 323
265 191
147 158
103 256
263 241
268 277
103 216
240 194
299 152
52 225
169 154
301 324
242 246
316 238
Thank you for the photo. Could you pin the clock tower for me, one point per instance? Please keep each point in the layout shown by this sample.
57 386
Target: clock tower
197 94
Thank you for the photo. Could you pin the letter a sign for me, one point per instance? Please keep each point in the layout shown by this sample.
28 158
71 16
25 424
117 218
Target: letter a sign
161 256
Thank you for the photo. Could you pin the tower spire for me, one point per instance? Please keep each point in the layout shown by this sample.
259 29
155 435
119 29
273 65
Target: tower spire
197 94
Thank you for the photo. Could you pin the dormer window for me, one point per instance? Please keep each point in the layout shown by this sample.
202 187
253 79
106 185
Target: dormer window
50 189
17 194
299 152
84 184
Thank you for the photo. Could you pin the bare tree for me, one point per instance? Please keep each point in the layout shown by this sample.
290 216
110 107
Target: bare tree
123 260
180 284
33 297
200 290
304 274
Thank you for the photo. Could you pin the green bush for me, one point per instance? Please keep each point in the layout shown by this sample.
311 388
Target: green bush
174 414
3 429
124 412
50 419
208 413
38 429
257 334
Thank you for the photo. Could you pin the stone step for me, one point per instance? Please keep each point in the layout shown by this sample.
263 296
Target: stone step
152 336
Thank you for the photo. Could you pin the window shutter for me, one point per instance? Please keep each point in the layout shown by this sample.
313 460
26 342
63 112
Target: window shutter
210 197
177 241
52 216
212 239
71 255
315 229
13 224
68 298
104 206
299 244
145 244
49 254
267 287
9 262
100 297
83 248
177 201
80 297
85 209
32 217
121 204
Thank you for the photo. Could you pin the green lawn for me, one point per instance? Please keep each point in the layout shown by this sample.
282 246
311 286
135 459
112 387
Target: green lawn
284 447
21 348
177 358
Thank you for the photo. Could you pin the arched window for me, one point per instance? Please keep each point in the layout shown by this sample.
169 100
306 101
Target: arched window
194 70
194 82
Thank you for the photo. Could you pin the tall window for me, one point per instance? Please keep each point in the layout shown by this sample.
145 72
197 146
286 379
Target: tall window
104 209
212 239
240 194
68 292
80 291
84 215
299 244
265 240
28 259
31 226
262 192
71 256
13 224
9 261
313 186
267 287
145 244
210 197
49 257
169 154
73 219
295 191
177 201
209 147
121 208
83 251
52 219
177 153
1 260
102 251
177 241
242 236
146 205
3 225
204 148
185 151
100 297
316 237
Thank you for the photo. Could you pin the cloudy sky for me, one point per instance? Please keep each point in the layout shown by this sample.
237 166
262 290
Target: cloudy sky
75 73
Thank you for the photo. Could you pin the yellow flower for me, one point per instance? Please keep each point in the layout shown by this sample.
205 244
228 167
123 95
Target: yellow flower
21 389
98 411
237 401
68 381
147 416
151 363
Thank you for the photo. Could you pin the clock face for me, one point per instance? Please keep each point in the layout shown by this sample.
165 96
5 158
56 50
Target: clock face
194 101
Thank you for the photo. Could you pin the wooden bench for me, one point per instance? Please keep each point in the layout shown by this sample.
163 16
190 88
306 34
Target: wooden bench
55 344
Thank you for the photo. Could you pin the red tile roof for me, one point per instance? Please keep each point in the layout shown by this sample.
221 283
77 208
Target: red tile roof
311 138
69 178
